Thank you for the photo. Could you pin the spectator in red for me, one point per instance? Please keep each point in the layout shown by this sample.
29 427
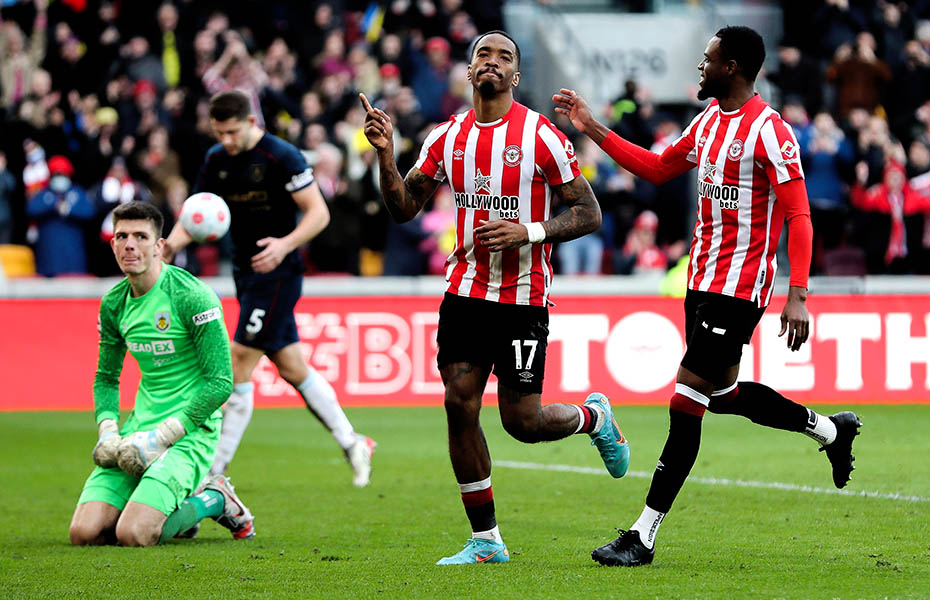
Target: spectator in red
894 197
390 85
640 253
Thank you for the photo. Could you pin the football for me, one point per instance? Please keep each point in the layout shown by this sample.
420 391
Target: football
205 217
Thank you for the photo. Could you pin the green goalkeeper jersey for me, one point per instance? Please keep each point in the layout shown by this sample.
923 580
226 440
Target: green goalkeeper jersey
176 333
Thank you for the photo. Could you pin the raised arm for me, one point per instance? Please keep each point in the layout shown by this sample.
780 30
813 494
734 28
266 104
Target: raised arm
654 168
403 197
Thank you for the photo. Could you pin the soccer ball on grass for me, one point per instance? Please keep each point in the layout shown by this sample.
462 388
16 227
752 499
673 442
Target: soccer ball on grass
205 217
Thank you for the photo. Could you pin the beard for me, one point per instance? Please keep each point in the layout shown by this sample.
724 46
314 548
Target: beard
487 89
711 89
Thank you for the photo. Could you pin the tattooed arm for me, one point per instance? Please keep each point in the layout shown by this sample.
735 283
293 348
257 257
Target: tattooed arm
403 197
582 217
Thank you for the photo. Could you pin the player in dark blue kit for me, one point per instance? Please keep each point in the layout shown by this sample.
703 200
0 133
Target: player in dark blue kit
266 182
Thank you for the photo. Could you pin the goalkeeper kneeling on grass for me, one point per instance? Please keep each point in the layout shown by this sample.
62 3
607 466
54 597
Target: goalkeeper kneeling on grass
146 487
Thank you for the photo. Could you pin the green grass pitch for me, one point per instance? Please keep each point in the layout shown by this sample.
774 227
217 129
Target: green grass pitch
318 537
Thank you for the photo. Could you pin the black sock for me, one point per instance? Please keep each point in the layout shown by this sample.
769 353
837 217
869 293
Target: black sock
479 507
678 456
762 405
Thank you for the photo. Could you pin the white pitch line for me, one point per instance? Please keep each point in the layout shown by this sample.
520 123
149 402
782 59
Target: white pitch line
774 485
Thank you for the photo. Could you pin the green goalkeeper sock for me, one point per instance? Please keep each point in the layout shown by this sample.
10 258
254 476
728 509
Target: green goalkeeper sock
208 503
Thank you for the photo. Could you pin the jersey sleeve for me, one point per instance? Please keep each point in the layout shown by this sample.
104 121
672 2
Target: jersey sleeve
555 155
778 152
430 161
200 308
299 173
111 353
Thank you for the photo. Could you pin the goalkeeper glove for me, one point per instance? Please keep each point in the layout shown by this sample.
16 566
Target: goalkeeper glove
139 450
106 451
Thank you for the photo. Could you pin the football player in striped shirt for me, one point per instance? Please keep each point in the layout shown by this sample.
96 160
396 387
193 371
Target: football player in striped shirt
749 183
504 163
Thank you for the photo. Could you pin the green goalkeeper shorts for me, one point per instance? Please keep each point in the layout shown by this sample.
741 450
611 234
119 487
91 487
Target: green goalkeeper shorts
167 482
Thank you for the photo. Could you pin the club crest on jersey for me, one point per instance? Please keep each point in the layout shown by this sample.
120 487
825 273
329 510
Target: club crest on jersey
257 172
513 155
482 182
735 151
162 321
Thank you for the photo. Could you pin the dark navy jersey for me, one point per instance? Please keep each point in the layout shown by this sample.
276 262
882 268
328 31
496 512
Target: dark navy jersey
257 185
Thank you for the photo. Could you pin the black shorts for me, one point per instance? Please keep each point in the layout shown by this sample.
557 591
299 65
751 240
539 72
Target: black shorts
266 310
511 339
716 328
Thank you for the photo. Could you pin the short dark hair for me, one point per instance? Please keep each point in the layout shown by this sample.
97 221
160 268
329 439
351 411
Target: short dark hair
230 105
743 45
474 44
139 211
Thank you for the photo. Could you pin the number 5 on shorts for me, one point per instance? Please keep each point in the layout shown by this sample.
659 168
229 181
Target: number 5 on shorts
518 356
255 321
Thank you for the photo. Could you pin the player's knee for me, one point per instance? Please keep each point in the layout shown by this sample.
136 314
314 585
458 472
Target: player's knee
83 535
461 407
725 402
133 533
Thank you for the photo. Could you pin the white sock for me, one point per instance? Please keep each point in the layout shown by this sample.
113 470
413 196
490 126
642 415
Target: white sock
237 412
580 417
820 428
321 400
648 525
491 534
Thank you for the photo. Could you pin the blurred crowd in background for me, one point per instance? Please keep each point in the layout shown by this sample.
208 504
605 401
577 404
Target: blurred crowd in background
102 102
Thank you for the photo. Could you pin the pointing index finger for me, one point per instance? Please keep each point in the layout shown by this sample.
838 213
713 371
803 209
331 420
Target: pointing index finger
365 103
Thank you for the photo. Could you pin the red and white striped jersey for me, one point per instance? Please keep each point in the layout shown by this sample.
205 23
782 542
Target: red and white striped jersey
499 170
740 157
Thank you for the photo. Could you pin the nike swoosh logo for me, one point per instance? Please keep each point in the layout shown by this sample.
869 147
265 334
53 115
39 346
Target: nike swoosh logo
622 439
486 557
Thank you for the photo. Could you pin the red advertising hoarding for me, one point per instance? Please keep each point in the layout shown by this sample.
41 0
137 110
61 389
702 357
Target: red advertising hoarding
382 351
